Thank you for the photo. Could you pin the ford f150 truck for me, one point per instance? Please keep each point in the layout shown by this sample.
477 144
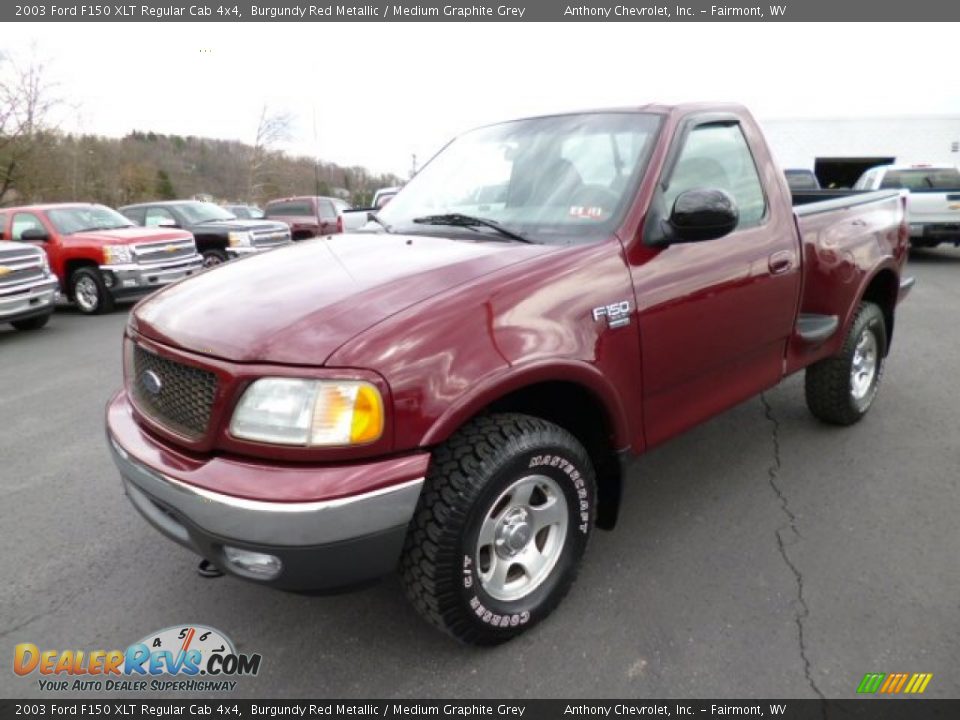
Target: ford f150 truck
933 205
458 394
98 255
219 234
28 288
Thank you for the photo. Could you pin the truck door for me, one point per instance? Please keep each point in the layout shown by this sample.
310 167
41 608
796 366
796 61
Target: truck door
715 315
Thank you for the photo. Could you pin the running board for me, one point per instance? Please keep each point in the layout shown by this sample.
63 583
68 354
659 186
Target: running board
816 328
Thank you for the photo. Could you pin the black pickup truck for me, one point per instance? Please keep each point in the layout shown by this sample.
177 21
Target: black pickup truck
219 234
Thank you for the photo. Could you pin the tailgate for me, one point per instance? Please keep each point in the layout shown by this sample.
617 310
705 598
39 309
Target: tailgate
934 207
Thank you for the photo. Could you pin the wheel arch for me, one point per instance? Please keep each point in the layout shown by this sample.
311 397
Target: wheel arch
882 288
70 267
208 241
574 396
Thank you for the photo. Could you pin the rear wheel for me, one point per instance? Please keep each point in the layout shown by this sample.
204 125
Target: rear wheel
34 323
500 528
841 389
89 293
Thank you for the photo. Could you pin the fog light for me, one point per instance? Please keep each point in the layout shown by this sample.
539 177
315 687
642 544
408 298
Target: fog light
260 565
108 279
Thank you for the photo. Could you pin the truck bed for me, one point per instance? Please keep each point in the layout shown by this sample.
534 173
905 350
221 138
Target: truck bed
810 202
843 234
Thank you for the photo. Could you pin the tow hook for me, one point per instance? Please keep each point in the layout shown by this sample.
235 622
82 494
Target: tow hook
207 569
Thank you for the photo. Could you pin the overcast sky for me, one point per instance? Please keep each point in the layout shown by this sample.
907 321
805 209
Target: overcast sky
382 91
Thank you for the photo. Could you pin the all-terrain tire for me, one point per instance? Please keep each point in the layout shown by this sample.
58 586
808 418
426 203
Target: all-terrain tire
833 393
476 482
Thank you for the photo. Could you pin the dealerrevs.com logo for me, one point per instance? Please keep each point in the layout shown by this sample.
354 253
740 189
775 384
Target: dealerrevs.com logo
188 658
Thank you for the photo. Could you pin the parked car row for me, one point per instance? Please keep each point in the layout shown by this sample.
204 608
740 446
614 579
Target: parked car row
219 234
98 256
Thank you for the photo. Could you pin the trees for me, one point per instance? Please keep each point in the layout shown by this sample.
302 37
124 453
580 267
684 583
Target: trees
26 101
274 127
163 189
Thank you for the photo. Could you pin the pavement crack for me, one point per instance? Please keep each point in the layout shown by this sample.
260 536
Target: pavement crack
773 473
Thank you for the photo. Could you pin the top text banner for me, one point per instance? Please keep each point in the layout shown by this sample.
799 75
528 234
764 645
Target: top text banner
501 11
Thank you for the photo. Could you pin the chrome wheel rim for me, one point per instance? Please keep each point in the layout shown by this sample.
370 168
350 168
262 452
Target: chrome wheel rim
210 261
522 537
863 370
86 293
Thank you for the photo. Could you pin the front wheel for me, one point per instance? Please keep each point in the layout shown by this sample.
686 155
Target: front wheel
841 389
89 293
503 520
213 258
34 323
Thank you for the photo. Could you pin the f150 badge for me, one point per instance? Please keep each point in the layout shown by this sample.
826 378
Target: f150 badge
617 314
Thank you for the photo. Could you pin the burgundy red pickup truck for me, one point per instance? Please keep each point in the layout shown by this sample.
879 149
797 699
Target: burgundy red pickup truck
457 394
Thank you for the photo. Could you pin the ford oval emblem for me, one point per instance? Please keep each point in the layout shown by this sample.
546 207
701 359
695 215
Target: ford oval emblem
151 382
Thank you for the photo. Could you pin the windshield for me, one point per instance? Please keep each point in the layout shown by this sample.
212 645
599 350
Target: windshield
72 220
922 179
558 179
198 212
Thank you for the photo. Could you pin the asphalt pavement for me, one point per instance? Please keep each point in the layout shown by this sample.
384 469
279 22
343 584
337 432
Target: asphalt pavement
762 554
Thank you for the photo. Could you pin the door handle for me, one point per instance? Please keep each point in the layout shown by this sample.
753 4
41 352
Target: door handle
780 262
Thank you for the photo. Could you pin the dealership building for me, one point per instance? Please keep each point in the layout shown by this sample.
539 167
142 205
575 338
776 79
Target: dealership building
838 150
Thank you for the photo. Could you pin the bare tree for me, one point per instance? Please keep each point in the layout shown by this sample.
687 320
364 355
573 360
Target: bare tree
273 128
26 102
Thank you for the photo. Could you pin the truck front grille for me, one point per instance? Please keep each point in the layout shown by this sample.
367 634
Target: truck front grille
156 253
18 267
271 238
174 395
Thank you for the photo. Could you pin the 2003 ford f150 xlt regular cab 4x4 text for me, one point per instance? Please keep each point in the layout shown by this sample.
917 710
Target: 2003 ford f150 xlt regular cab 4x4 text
456 394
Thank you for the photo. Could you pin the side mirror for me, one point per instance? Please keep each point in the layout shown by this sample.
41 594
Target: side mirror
35 234
703 214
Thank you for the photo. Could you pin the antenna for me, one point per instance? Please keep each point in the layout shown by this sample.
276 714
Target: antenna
316 156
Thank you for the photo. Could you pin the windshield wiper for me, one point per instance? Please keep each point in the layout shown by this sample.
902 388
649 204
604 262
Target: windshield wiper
469 221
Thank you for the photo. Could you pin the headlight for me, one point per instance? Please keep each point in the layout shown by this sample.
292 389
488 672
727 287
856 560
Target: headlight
240 239
117 255
289 411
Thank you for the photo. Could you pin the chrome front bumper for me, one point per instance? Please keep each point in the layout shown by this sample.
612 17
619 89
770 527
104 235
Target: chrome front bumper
28 298
257 522
132 278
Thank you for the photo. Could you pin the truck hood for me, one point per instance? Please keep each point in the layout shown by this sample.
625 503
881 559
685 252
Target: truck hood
298 304
128 236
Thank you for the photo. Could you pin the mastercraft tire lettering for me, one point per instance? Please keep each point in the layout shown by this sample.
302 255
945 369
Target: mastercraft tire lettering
501 526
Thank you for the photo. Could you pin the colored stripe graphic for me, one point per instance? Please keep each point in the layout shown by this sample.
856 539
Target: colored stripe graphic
871 682
894 683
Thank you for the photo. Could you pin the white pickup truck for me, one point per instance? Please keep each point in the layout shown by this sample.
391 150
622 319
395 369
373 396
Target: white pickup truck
933 205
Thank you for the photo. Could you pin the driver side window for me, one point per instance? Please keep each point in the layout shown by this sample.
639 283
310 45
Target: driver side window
717 156
157 215
24 221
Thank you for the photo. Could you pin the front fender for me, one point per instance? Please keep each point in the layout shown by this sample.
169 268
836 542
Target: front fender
511 379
